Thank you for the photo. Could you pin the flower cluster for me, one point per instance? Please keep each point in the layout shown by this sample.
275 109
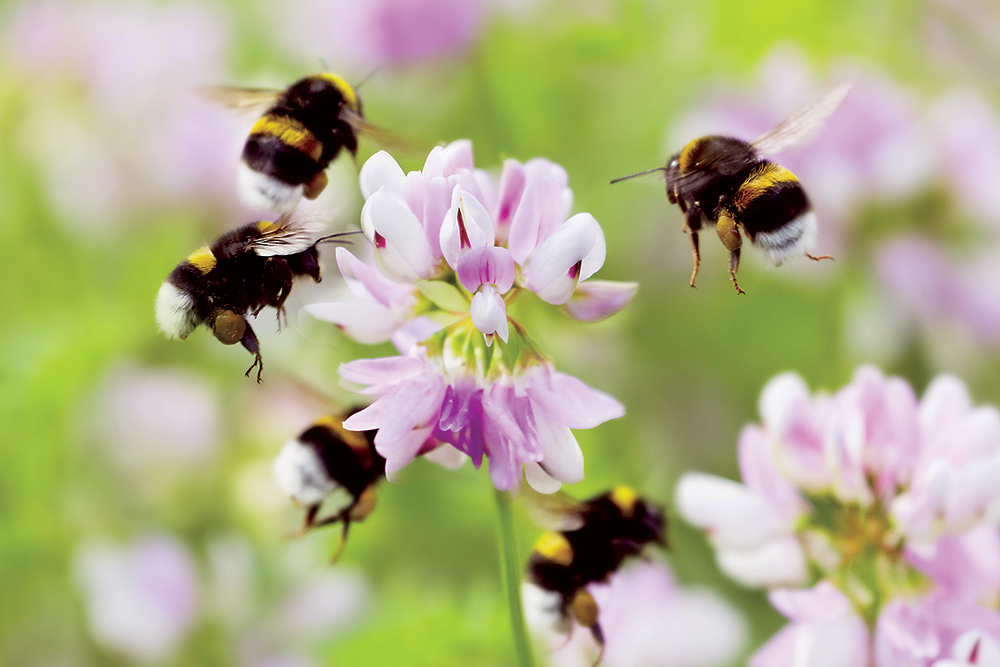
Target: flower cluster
871 517
448 242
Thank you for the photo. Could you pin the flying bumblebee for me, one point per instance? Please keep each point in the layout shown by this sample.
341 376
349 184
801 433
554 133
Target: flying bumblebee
595 537
291 145
324 458
724 181
238 274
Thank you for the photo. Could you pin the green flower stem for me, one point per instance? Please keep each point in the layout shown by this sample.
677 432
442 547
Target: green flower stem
511 572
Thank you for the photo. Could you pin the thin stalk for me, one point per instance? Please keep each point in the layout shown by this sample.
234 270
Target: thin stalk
510 571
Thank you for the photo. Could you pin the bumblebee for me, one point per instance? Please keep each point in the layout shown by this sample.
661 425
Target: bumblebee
238 274
596 537
291 145
325 458
725 182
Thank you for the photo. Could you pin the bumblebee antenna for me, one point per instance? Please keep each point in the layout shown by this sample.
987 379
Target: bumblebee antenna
640 173
337 238
368 77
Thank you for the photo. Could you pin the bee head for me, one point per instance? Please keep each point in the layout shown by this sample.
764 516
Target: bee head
651 524
673 172
351 99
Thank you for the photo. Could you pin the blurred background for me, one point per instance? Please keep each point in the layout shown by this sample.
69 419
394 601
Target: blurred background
139 522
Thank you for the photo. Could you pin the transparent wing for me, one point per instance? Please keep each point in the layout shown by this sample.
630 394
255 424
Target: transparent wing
242 99
553 511
379 135
288 236
801 126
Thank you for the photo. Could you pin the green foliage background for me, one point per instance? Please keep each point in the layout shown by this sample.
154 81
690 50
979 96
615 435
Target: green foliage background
592 86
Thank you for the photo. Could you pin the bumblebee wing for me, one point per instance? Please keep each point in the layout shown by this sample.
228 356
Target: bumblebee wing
801 126
242 99
553 511
380 135
287 236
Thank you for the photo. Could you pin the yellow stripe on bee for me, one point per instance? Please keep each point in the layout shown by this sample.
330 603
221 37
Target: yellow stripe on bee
684 161
760 181
345 89
625 498
555 547
290 132
266 226
202 259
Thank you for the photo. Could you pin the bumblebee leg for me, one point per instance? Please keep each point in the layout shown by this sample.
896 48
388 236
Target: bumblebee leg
363 505
316 186
598 634
734 265
308 521
278 279
342 543
729 234
819 257
696 252
250 342
692 223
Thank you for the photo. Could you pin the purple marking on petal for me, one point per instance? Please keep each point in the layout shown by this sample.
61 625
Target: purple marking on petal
463 233
574 271
487 265
512 181
379 241
462 426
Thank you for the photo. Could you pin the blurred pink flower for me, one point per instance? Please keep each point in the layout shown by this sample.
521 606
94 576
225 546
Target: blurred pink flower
968 129
955 483
321 605
141 600
973 649
304 606
648 621
139 64
891 502
752 526
938 288
915 633
154 419
514 417
824 631
965 565
379 32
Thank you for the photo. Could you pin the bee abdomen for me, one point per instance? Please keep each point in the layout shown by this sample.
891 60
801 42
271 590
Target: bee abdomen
176 313
301 473
288 132
180 307
772 206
